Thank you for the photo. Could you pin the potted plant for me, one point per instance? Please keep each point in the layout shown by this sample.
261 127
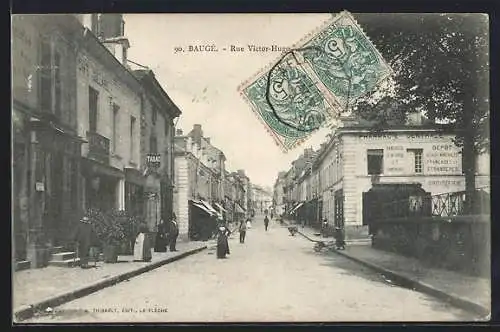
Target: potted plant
109 230
130 225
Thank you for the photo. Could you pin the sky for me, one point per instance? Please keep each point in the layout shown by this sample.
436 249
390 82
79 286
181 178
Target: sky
204 85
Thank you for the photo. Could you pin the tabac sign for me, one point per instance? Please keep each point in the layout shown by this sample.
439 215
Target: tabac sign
153 160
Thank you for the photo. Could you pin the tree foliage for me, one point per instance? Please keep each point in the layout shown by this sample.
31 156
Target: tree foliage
441 68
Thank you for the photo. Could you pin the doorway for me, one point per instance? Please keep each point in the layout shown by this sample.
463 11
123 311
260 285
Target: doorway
339 208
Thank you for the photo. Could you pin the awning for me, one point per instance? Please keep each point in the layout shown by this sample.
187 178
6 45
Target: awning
296 207
220 207
239 209
201 206
210 207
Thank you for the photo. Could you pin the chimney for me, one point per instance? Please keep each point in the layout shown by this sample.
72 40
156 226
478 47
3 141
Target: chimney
178 132
197 133
111 30
241 172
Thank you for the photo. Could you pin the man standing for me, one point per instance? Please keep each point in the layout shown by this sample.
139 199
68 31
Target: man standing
266 222
243 230
83 236
173 233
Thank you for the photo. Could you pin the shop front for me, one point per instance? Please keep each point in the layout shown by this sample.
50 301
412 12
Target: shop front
202 220
46 161
135 193
102 186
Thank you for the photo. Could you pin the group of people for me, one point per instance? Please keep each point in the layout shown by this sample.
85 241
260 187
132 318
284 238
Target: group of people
223 233
166 235
84 235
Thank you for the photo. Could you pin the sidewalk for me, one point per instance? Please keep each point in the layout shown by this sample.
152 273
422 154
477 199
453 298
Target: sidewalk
38 289
467 292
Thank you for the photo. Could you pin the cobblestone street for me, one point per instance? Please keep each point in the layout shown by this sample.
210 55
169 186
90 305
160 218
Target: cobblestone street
272 277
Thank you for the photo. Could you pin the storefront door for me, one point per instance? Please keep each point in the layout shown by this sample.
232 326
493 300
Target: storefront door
339 208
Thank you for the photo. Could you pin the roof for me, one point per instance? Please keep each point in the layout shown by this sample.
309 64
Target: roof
147 77
108 59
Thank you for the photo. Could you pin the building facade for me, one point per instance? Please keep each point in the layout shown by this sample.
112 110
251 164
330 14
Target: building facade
199 181
79 120
262 199
355 158
157 136
279 198
46 145
109 114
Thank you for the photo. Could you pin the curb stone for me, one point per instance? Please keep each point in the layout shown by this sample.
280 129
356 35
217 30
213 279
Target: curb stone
423 287
28 311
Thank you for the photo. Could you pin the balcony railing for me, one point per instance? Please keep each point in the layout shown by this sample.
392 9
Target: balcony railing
98 147
441 205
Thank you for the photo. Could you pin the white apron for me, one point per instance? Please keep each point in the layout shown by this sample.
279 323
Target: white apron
139 247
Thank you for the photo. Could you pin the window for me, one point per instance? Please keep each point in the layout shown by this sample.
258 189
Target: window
375 158
154 115
132 140
166 126
46 76
93 104
153 145
417 159
57 84
116 110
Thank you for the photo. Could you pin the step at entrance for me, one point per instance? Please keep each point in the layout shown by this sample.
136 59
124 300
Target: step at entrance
63 258
56 250
22 265
66 263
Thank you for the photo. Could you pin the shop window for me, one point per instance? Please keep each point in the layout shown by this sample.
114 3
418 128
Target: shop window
417 160
375 161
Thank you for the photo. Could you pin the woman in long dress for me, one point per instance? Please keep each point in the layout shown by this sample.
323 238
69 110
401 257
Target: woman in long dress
222 241
161 237
142 247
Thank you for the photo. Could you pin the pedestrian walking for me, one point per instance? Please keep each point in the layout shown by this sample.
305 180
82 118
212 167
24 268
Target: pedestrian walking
173 233
266 222
83 237
243 231
222 241
271 215
161 237
142 247
339 238
324 227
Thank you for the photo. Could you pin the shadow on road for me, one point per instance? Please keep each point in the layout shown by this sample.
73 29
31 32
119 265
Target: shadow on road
353 269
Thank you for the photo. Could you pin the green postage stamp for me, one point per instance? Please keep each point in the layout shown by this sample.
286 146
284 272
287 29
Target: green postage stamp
310 85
